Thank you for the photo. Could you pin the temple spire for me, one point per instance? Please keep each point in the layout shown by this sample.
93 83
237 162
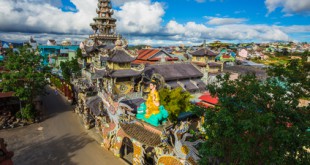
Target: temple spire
104 25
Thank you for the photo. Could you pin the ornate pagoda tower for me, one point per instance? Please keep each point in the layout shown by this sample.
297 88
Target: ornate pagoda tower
104 25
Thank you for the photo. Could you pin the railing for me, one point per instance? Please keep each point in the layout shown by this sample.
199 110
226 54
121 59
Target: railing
134 95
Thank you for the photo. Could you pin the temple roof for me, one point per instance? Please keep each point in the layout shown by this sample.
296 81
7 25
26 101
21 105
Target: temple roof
201 85
203 52
173 84
109 46
176 71
93 104
124 73
133 103
99 74
189 86
120 56
89 49
141 134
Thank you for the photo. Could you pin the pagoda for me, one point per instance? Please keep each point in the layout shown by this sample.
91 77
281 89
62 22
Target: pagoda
104 25
122 102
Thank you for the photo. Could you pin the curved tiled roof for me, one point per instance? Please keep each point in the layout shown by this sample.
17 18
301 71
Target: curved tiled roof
124 73
120 56
141 134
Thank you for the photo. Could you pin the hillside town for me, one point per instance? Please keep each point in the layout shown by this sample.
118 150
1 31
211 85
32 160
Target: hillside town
149 105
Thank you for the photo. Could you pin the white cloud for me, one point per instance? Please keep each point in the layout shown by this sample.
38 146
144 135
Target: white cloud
40 37
289 6
295 28
224 21
174 28
122 2
192 31
142 19
31 16
139 17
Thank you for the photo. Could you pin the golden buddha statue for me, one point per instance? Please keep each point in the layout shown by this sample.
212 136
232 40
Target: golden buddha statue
152 102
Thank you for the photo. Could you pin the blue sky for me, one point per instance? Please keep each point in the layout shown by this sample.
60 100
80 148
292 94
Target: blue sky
161 22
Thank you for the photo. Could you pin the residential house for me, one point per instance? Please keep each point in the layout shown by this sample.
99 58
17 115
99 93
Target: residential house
153 56
51 42
204 58
32 43
54 54
243 53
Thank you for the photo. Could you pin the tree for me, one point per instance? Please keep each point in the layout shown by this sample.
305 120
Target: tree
68 68
25 77
79 53
295 74
255 123
175 101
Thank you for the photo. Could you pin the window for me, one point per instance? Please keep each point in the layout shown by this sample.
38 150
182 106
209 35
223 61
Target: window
103 63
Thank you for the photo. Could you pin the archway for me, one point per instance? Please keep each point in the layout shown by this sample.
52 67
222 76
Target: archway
126 151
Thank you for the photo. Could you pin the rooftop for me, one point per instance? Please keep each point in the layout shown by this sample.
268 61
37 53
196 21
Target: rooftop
176 71
203 52
142 134
120 56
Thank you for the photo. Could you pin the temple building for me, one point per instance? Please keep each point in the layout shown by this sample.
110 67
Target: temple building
118 97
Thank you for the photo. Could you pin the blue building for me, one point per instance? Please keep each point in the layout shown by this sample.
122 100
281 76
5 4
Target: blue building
52 53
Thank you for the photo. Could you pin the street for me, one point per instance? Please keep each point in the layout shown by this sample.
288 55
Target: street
59 139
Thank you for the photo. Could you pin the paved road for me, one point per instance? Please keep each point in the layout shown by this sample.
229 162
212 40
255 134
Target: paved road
59 139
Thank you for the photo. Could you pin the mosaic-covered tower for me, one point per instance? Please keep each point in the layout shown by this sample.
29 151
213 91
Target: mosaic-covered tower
104 25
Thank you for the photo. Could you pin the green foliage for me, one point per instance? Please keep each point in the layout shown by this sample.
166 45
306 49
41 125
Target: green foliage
18 115
25 77
175 101
69 68
198 110
28 112
296 74
250 123
79 53
56 81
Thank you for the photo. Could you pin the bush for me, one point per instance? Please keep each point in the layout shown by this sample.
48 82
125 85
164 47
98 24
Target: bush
28 112
18 115
175 101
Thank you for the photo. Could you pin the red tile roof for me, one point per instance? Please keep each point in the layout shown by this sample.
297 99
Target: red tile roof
226 56
206 105
145 54
6 94
209 99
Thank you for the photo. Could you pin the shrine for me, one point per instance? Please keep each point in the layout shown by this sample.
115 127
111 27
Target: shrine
121 100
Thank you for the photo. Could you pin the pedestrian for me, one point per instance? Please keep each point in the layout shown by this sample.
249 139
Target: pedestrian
56 92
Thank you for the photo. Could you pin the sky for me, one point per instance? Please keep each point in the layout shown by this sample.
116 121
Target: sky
160 22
